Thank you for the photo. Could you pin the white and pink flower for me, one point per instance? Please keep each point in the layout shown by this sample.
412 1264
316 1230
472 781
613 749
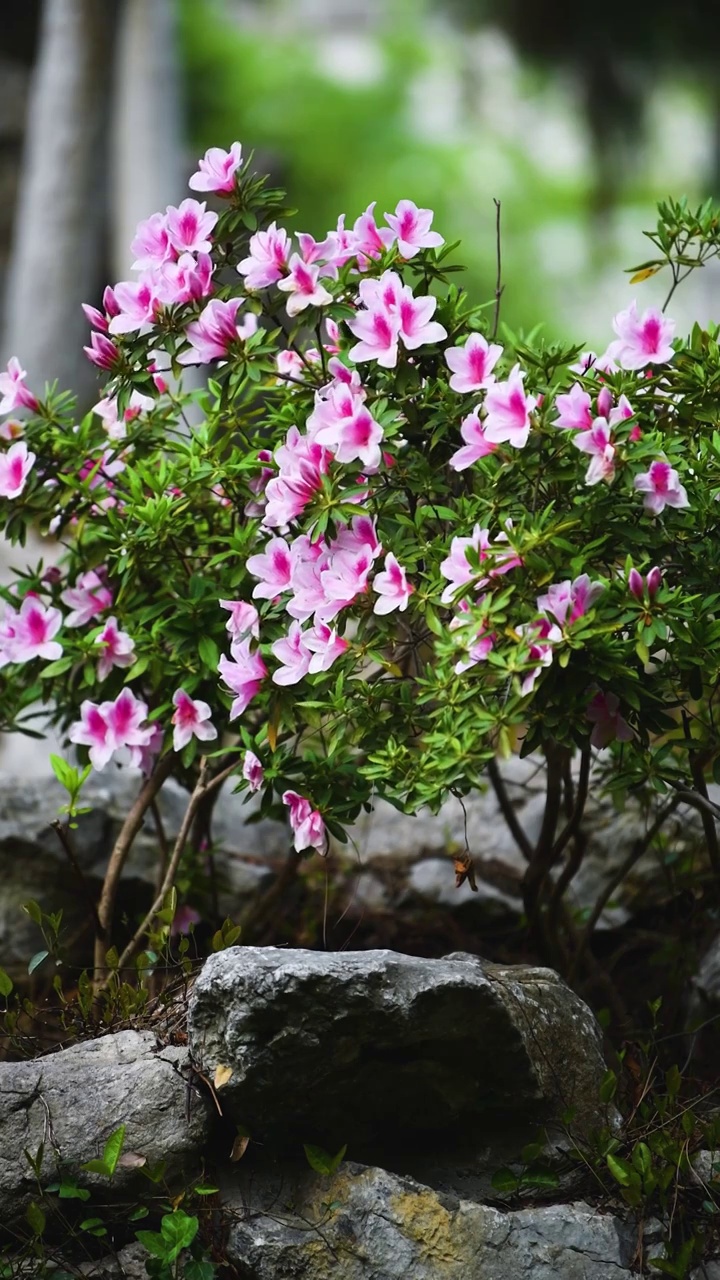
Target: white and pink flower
472 364
15 467
662 488
216 171
411 228
307 823
118 649
191 719
392 587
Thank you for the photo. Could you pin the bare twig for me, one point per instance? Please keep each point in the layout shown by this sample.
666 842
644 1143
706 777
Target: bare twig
499 287
544 853
572 831
506 808
203 787
708 813
162 843
118 857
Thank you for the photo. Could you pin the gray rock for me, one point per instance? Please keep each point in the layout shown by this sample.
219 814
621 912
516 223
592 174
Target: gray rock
367 1224
70 1102
382 1050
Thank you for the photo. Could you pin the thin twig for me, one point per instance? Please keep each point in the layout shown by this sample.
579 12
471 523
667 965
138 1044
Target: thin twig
506 808
203 787
572 831
66 840
118 857
499 287
162 843
707 817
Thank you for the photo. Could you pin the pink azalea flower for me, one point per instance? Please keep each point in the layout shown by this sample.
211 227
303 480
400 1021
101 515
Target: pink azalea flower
253 772
304 287
456 567
243 674
476 640
370 241
11 429
344 579
306 822
15 394
102 352
118 649
589 362
267 261
294 655
567 601
416 327
112 726
326 646
543 635
352 435
215 331
139 306
273 568
598 443
382 294
637 584
30 633
191 718
290 366
662 488
151 246
187 280
378 333
183 920
244 619
87 599
642 339
412 228
189 226
575 409
107 411
15 467
603 712
508 411
476 444
216 171
473 364
392 586
92 730
302 464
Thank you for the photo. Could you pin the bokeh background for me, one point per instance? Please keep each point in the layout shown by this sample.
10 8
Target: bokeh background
576 119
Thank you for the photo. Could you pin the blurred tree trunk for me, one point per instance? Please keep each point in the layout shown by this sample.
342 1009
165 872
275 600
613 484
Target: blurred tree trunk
147 150
56 258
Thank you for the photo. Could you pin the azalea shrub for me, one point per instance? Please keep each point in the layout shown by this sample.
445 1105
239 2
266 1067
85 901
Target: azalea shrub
333 533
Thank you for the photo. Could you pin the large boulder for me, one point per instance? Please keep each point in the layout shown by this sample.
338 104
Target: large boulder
367 1224
382 1050
66 1106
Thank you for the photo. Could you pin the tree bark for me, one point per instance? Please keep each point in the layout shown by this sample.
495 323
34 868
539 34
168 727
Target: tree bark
56 260
146 141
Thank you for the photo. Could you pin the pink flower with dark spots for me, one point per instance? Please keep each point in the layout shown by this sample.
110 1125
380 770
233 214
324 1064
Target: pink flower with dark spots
472 365
189 226
151 246
92 730
508 408
216 171
268 258
112 726
244 619
191 718
603 712
215 331
14 393
15 467
326 646
294 655
642 339
30 633
412 228
598 442
378 338
303 285
661 487
118 650
273 568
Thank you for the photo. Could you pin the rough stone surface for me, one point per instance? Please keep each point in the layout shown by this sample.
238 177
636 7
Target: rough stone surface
367 1224
379 1049
70 1102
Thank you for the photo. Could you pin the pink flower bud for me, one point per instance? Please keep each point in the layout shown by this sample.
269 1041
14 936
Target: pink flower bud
95 317
604 403
635 434
636 584
110 303
654 581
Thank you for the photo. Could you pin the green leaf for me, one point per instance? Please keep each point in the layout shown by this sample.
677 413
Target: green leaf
6 983
35 1218
154 1243
178 1230
196 1269
113 1148
37 960
321 1161
621 1171
209 652
506 1182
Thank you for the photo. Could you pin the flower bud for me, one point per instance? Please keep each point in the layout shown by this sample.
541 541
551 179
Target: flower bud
635 434
654 581
604 403
636 584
